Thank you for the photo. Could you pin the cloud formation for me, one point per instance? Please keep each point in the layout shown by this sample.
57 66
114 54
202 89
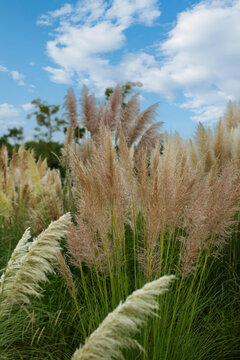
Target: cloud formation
3 68
11 115
198 60
27 107
16 76
8 115
202 57
8 111
86 33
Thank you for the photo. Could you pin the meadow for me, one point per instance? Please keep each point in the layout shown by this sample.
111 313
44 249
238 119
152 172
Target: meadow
134 252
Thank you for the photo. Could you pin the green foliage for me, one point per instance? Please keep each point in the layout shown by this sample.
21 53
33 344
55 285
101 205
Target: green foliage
49 150
15 134
198 318
50 328
46 118
48 124
126 90
79 133
14 137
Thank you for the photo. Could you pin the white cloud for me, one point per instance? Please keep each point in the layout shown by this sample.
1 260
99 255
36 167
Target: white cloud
202 57
3 68
16 76
208 114
27 107
123 11
128 11
78 51
73 48
65 9
21 83
8 111
199 59
59 75
47 19
4 125
91 11
11 115
88 32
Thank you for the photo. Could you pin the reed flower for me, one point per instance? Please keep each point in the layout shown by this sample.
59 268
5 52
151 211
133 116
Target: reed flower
231 117
204 148
89 111
114 116
102 198
71 107
209 214
116 331
29 264
29 186
5 205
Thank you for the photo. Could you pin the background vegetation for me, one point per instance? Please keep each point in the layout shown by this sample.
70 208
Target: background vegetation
143 205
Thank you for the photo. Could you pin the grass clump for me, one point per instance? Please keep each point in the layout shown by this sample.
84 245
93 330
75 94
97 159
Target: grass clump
144 205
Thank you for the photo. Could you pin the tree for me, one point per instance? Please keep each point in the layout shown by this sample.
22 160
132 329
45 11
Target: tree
46 150
15 135
126 89
45 117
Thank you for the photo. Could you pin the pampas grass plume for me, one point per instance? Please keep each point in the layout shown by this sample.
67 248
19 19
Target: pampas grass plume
71 107
117 329
29 264
5 205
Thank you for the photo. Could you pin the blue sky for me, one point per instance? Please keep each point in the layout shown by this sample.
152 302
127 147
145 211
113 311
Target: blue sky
185 53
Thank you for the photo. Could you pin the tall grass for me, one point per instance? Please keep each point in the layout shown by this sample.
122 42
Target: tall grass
29 191
144 205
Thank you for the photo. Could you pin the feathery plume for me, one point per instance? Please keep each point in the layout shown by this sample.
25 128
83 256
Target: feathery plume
143 180
192 155
42 166
17 254
235 144
101 190
81 244
150 138
128 115
34 174
14 160
69 137
3 158
221 145
3 166
142 120
231 118
70 104
89 111
29 264
116 331
207 222
113 110
5 205
204 149
126 159
64 270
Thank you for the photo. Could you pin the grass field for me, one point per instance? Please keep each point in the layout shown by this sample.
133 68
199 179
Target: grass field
138 206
